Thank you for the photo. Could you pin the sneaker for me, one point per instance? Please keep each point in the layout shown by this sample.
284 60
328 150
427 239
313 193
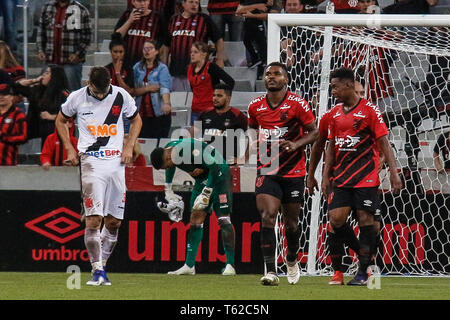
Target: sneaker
270 279
229 270
338 279
293 272
184 270
359 280
253 65
98 278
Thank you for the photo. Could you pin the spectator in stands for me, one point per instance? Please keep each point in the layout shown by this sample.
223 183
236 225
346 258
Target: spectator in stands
185 29
344 6
410 7
152 82
45 94
138 158
368 6
9 63
255 37
222 12
7 10
63 37
138 25
203 75
53 152
120 70
442 147
294 6
13 127
166 8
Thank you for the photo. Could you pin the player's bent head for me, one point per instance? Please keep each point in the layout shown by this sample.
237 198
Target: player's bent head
157 158
100 78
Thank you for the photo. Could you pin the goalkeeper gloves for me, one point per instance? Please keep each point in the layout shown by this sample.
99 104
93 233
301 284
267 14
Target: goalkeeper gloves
173 208
202 200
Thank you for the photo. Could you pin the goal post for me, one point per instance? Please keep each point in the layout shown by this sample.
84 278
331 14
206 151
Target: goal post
403 63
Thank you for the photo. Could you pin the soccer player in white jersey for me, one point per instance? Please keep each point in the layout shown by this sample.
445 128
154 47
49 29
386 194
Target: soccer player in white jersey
99 109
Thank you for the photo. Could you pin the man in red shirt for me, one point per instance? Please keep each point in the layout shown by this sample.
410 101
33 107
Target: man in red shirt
184 29
53 152
350 176
13 127
285 125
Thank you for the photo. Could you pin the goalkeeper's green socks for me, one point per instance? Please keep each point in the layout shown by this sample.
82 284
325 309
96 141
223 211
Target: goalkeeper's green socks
195 237
228 240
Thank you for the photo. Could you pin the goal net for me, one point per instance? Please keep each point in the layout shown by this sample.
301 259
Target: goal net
403 65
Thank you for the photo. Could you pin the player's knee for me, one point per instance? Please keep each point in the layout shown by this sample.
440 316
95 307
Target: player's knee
112 224
224 221
93 222
268 218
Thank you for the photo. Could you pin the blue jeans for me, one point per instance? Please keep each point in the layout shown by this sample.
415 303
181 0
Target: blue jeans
7 9
73 74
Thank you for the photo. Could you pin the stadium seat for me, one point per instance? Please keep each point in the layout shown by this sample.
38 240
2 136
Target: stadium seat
234 52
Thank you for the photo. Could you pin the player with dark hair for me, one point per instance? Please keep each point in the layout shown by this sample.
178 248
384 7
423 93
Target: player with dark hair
212 191
285 125
350 176
223 127
100 109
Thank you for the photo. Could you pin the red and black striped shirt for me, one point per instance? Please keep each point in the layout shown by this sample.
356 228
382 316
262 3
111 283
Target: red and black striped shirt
13 131
148 27
222 6
356 155
183 32
286 121
164 7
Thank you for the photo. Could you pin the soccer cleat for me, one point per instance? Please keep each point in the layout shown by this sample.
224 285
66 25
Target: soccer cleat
293 272
98 278
184 270
338 279
359 280
229 270
270 279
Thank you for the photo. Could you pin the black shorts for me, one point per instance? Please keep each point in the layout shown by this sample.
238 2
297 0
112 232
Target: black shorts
365 199
288 190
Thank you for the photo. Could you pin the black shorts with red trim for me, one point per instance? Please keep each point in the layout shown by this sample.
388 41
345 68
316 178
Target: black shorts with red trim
288 190
365 199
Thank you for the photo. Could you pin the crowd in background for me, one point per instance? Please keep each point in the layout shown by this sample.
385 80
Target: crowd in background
157 47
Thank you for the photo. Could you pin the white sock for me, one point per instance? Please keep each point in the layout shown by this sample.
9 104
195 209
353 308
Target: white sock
94 247
109 240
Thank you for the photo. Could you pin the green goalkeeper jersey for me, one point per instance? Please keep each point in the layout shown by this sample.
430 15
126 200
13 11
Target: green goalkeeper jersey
189 154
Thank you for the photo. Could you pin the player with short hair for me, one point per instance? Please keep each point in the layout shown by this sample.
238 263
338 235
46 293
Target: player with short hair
285 124
99 109
224 127
350 176
212 191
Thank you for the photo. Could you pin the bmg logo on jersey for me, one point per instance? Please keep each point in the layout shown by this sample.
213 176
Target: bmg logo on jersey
104 130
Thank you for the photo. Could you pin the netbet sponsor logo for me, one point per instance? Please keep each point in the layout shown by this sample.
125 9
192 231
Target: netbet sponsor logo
104 154
61 225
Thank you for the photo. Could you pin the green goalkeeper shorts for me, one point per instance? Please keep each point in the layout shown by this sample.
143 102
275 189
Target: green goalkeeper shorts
221 200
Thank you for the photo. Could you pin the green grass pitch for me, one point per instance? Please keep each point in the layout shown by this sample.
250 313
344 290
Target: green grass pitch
141 286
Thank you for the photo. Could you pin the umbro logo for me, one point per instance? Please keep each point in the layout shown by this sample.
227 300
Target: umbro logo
367 203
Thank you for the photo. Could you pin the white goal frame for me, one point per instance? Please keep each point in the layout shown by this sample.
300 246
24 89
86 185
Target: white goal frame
276 21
